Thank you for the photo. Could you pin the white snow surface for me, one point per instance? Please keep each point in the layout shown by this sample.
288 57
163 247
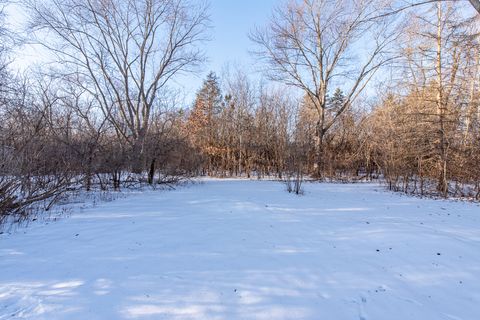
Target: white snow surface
227 249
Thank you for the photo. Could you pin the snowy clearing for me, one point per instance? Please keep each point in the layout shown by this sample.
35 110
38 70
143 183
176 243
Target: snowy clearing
249 250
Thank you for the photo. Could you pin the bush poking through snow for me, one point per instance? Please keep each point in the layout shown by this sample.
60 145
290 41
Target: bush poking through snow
293 182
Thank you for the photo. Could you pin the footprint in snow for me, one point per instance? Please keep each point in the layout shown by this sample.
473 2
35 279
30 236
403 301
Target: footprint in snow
361 308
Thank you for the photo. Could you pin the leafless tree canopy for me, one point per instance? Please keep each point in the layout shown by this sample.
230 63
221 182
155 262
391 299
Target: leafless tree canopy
316 46
356 90
122 53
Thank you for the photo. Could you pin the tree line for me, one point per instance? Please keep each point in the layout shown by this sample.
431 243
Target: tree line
350 90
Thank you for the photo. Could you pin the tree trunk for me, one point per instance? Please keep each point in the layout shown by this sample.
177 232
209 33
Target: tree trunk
320 151
442 181
151 172
475 4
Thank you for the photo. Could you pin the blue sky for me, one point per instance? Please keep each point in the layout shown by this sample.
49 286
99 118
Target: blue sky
231 20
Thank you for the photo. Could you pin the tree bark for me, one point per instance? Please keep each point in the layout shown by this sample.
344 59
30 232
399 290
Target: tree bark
475 4
151 173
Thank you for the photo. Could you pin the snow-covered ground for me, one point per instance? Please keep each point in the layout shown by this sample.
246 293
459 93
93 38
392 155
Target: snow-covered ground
248 250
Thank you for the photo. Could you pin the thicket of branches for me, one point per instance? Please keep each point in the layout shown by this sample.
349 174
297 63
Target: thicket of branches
419 132
102 114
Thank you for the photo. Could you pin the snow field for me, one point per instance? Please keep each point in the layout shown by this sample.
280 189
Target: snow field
249 250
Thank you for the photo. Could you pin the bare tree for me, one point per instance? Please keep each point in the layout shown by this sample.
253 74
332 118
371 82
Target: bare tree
475 4
122 53
314 45
400 6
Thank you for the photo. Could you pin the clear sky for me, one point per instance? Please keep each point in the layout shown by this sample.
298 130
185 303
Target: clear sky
231 20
